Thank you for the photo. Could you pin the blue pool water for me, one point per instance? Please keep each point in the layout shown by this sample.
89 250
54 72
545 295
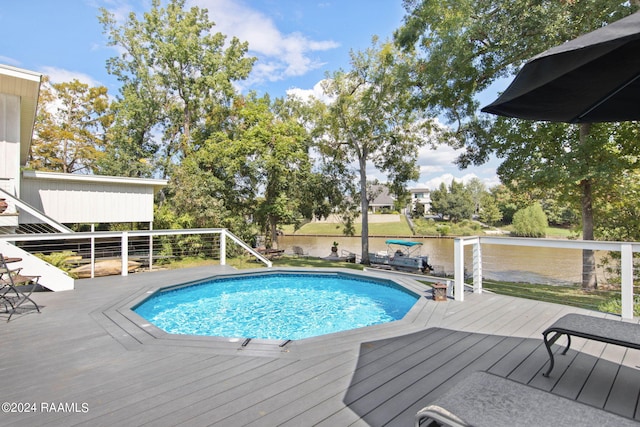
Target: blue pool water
276 306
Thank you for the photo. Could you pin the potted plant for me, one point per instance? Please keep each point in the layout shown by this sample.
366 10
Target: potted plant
334 248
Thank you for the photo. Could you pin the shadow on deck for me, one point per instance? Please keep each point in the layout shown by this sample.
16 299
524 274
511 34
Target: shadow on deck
396 377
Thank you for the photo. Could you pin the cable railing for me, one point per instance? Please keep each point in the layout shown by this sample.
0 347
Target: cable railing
85 253
28 229
625 272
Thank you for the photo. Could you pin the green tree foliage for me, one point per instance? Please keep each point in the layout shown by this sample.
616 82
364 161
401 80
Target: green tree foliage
466 46
131 150
439 200
489 211
174 71
455 202
619 214
281 152
254 165
508 202
559 211
370 120
477 190
530 222
70 129
619 209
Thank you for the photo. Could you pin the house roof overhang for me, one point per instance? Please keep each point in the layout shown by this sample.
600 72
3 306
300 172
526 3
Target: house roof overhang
157 184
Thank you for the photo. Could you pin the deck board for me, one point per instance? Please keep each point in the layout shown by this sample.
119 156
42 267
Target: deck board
86 347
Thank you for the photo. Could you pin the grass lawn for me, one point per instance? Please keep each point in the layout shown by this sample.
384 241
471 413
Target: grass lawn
573 296
244 262
399 228
560 233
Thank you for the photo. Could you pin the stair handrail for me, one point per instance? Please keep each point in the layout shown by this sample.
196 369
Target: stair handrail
35 212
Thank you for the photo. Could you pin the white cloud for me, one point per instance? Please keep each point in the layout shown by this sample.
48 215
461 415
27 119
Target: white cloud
60 75
306 94
434 183
120 9
279 55
9 61
439 157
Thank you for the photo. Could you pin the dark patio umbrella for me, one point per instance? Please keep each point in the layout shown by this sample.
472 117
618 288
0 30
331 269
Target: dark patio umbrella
593 78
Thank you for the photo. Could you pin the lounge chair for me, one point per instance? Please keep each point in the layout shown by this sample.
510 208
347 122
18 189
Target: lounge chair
609 331
484 399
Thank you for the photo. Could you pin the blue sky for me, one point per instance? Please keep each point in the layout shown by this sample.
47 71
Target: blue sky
296 42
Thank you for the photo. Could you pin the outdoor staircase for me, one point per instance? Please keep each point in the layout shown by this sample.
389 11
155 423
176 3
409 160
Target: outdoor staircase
51 277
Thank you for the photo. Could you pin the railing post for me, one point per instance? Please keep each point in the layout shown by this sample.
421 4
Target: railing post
458 269
477 267
93 251
125 253
626 278
223 247
151 246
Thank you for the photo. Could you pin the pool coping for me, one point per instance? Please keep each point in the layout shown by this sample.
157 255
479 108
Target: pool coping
136 332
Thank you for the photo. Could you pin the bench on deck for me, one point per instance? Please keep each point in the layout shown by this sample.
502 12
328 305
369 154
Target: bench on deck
594 328
483 399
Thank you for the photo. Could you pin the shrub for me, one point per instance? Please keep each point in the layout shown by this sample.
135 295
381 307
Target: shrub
614 306
530 222
444 230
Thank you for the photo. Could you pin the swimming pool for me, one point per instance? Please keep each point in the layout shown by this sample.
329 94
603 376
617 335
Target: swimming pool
279 306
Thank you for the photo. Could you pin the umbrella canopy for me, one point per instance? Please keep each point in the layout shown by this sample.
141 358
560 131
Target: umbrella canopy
593 78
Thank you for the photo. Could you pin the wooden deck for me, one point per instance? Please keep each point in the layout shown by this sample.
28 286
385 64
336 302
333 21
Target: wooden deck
85 356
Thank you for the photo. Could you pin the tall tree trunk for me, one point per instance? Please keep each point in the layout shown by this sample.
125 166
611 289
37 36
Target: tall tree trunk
273 231
364 205
589 280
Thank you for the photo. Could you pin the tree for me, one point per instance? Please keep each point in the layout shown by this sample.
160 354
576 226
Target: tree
619 209
561 157
461 205
509 202
489 210
454 202
131 150
281 154
439 200
173 71
371 120
467 45
69 132
476 190
251 173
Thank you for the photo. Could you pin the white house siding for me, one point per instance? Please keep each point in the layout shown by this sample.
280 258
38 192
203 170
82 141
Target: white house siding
9 141
9 118
88 199
25 85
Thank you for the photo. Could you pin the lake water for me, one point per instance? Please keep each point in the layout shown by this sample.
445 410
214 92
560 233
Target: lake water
505 263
